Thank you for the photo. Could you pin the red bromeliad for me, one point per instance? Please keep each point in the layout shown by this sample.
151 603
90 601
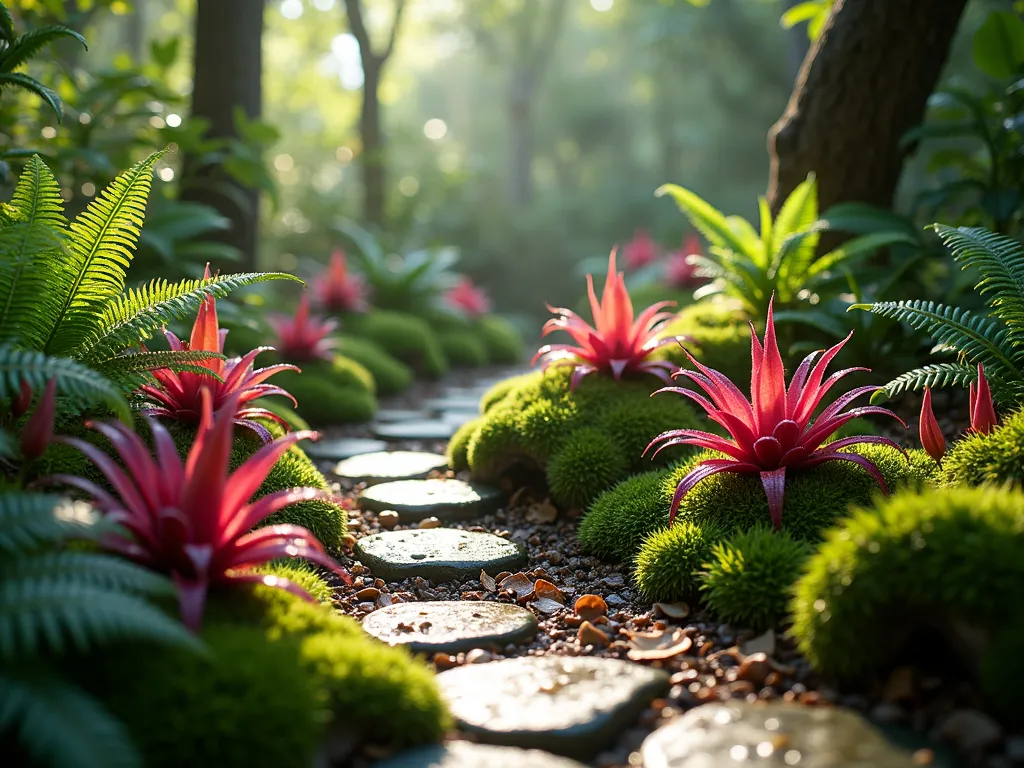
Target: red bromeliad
640 251
983 410
772 432
192 520
305 336
37 433
178 395
678 271
338 290
932 439
468 298
616 341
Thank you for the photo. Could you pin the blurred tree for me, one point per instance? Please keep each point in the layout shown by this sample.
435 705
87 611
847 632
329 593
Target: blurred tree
373 154
849 109
227 86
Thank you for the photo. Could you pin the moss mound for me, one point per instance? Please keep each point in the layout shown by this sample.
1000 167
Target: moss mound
621 518
721 338
997 457
403 336
391 376
748 578
339 391
463 348
917 559
503 341
531 420
669 560
458 446
303 573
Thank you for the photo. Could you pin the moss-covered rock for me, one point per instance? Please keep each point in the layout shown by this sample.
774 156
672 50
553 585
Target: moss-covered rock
503 341
463 348
720 334
748 578
402 335
390 375
670 559
528 421
338 391
936 559
621 518
997 457
497 393
458 447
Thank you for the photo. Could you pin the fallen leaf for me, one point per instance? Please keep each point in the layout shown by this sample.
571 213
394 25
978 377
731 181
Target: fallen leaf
488 582
542 512
588 634
672 610
662 644
589 607
544 588
761 644
519 583
547 605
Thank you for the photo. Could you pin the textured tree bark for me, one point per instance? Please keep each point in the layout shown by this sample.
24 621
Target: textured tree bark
228 65
863 84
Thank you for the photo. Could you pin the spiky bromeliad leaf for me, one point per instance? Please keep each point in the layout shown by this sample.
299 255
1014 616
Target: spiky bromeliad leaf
76 384
100 248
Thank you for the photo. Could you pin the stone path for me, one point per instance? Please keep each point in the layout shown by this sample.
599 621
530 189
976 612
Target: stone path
426 429
463 754
383 466
451 627
415 500
341 448
438 554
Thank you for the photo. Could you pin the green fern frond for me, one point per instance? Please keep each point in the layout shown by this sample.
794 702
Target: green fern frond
58 724
33 41
89 569
76 384
31 520
140 362
9 450
933 376
36 198
100 248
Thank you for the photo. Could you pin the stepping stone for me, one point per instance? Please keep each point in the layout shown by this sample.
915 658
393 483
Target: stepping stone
438 554
424 429
392 415
341 448
573 706
471 404
731 733
451 626
414 500
387 466
463 754
458 418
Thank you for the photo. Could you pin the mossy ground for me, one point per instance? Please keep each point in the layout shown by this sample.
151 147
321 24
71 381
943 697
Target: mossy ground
994 458
529 424
720 334
402 335
390 375
503 341
463 348
339 391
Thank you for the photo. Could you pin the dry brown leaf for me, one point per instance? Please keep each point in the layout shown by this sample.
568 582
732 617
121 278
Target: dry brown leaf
519 583
588 634
488 582
547 605
761 644
589 607
672 610
542 512
662 644
544 588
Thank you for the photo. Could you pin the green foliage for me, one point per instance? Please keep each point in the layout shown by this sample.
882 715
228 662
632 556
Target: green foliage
622 517
458 447
390 376
721 338
996 458
339 391
404 336
587 462
814 12
669 560
931 557
303 573
996 341
1002 661
503 341
463 348
748 578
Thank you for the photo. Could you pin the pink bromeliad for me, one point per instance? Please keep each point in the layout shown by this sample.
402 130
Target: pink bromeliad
616 341
679 272
640 251
775 430
468 298
339 290
304 336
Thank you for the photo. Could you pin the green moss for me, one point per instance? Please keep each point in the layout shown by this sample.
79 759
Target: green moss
404 336
335 392
463 348
917 559
749 576
497 393
588 462
458 446
669 560
721 338
302 573
994 458
503 341
390 375
621 518
633 423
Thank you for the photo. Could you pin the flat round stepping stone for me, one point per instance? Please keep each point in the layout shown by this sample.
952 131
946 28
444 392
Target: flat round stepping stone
341 448
458 418
388 466
438 554
391 415
463 754
451 626
731 733
423 429
471 404
574 706
414 500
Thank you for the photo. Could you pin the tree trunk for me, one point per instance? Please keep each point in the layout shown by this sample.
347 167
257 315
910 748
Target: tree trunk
520 126
373 160
864 83
228 66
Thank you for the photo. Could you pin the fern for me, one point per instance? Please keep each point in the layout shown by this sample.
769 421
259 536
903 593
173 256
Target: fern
31 520
141 362
932 376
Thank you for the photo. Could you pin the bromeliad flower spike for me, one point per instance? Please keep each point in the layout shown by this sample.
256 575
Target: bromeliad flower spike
338 290
192 519
178 395
305 336
773 431
616 341
468 298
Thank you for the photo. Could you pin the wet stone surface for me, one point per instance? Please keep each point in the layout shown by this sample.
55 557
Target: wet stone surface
451 626
571 706
415 500
385 466
438 554
340 448
465 404
426 429
392 415
463 754
774 734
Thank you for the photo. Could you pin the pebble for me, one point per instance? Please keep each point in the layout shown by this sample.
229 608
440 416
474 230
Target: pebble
754 669
425 429
969 729
574 706
451 626
444 499
439 554
342 448
386 466
463 754
430 522
720 734
388 519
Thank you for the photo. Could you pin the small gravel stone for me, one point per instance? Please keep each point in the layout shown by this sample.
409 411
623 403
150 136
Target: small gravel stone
388 519
430 522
